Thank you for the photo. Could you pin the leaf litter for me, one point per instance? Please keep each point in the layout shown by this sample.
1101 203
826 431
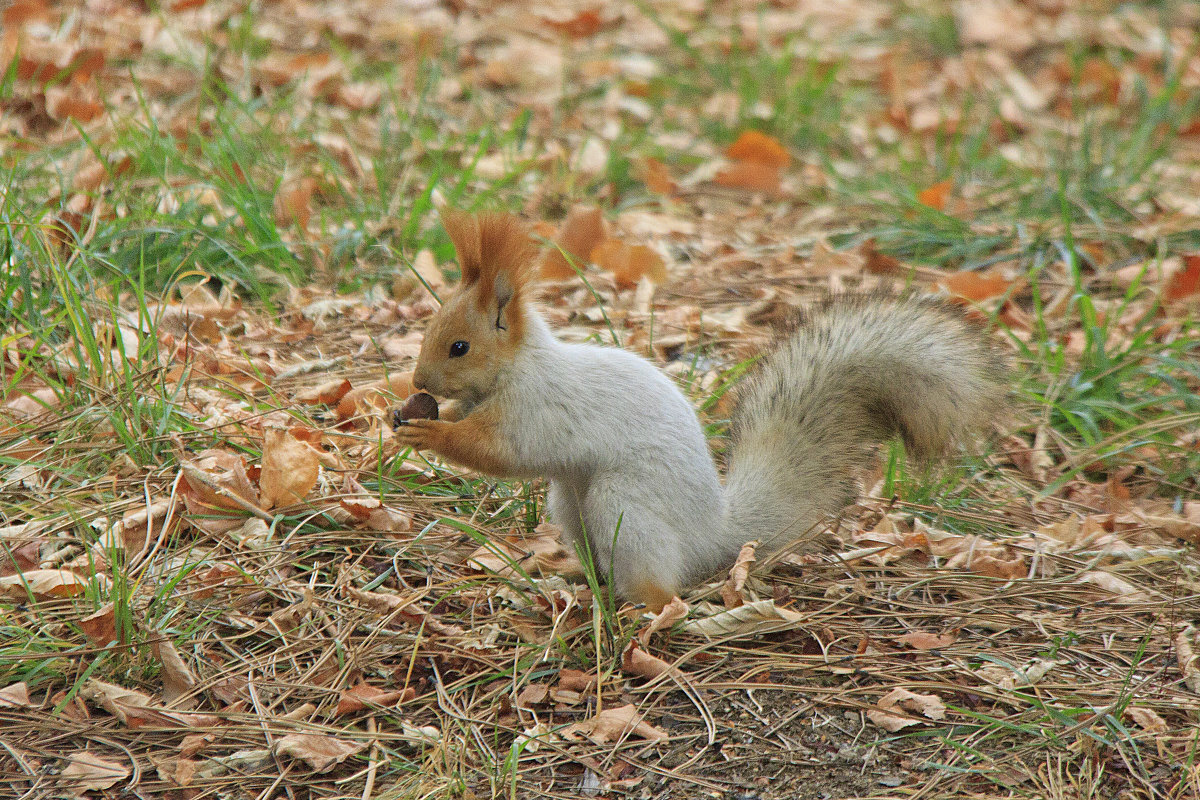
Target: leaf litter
271 523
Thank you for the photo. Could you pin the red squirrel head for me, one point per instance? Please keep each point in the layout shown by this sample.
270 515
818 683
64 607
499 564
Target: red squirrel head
480 327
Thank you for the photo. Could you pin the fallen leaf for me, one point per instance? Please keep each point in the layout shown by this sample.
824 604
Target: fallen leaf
88 772
320 752
581 231
761 616
1185 281
328 393
178 679
1147 719
636 661
100 627
362 695
15 695
921 640
731 590
44 583
629 263
657 177
614 724
935 195
290 468
759 148
751 176
889 717
974 286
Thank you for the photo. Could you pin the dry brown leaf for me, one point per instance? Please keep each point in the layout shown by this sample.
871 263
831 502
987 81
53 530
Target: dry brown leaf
290 469
974 286
759 148
15 695
88 772
100 627
362 695
320 752
1185 281
922 640
629 263
1186 657
582 230
543 551
761 616
751 176
614 724
47 583
177 677
657 177
636 661
224 469
328 393
935 196
377 395
731 590
1147 719
891 705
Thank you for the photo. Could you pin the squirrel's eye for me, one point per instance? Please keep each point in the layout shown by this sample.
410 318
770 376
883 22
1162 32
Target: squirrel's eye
459 348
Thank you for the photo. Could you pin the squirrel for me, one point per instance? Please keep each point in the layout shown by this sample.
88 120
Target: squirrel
629 467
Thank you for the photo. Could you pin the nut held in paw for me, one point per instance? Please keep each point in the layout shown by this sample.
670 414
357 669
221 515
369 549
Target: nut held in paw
421 405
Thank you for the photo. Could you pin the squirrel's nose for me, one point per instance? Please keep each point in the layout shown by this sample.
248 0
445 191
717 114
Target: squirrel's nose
418 379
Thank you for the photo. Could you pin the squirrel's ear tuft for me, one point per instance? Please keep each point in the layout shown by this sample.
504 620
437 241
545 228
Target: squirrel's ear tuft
489 245
463 229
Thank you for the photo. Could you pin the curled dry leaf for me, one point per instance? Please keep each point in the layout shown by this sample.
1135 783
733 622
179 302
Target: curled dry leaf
1147 719
890 714
48 583
636 661
921 640
15 695
542 552
975 287
671 613
358 697
629 263
88 772
177 677
320 752
328 393
761 616
100 627
731 591
582 230
1187 658
290 468
935 195
614 724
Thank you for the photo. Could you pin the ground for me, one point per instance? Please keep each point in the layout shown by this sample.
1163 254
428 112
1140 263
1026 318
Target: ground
221 577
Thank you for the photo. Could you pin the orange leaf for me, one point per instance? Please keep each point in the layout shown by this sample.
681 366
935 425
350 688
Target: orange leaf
753 176
629 263
294 202
935 196
581 231
289 470
974 286
921 640
657 177
759 148
1185 281
586 23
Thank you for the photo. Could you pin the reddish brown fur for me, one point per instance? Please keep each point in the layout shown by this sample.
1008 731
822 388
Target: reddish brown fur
491 245
472 442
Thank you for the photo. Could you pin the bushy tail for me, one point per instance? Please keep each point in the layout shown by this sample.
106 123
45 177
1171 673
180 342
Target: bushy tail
859 371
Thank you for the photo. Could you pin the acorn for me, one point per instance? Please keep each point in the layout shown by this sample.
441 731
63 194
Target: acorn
421 405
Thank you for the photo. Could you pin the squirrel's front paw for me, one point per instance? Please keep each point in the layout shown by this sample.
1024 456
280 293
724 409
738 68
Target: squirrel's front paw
421 434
